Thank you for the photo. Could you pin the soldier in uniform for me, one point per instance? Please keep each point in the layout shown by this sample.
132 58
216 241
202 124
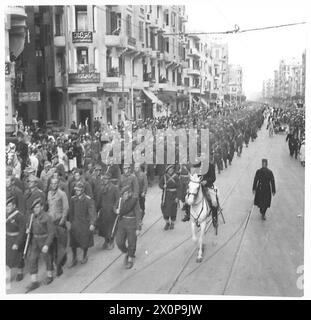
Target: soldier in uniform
15 237
170 184
143 186
13 190
58 209
77 177
82 217
96 182
130 216
32 193
46 174
262 187
107 204
43 233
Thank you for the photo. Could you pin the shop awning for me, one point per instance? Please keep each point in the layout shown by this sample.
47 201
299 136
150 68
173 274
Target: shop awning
151 96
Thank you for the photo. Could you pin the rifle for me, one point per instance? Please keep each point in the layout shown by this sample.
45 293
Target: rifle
28 236
117 218
164 191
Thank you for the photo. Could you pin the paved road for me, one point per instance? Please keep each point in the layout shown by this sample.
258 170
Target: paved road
247 257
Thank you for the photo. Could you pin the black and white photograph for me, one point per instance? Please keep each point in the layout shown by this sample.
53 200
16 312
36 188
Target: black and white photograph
155 148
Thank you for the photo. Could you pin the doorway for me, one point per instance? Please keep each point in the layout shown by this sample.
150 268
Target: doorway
84 111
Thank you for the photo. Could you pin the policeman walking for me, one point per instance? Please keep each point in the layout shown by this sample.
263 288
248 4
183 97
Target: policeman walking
262 187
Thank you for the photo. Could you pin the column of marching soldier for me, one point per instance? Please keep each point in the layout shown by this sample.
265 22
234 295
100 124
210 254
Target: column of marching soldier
42 213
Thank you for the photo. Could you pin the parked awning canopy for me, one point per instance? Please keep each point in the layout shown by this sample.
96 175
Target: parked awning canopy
151 96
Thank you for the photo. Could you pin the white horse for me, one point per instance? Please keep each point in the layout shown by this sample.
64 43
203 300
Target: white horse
199 211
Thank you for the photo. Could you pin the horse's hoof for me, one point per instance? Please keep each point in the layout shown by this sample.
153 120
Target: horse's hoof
199 260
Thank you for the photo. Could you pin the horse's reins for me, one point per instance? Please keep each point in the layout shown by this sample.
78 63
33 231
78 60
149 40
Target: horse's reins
194 194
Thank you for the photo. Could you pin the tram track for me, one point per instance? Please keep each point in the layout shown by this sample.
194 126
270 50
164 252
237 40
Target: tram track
181 243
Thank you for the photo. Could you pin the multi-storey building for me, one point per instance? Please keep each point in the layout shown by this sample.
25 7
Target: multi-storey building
235 83
220 70
112 62
15 36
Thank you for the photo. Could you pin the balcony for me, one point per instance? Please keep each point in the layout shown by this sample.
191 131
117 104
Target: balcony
193 72
193 52
120 41
167 86
195 90
82 37
59 41
16 11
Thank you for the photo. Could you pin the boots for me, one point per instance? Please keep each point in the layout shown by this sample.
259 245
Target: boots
73 263
167 225
130 263
172 225
32 286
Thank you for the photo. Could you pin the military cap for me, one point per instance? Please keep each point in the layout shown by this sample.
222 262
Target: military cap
29 170
79 185
10 199
47 164
106 175
98 167
32 178
36 202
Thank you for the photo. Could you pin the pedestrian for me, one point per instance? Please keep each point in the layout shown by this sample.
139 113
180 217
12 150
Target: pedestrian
143 186
82 218
106 206
43 232
58 207
263 185
170 184
129 225
15 237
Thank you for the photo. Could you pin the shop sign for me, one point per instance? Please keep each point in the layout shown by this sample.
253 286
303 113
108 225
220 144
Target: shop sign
107 85
28 96
82 37
93 77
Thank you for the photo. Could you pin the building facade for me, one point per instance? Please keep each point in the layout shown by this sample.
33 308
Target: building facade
111 62
15 37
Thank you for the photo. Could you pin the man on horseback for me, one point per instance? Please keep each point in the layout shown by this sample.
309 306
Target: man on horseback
207 183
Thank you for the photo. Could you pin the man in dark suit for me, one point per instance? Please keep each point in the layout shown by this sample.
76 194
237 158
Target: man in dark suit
262 187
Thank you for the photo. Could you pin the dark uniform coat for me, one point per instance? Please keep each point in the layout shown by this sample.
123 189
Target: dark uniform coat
263 185
106 204
169 195
15 234
81 215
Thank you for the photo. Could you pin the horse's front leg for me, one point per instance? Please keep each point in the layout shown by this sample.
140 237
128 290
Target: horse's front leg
200 252
193 226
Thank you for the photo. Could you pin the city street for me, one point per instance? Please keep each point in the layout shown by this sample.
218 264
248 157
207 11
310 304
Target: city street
247 257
